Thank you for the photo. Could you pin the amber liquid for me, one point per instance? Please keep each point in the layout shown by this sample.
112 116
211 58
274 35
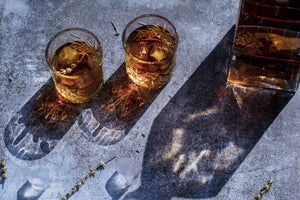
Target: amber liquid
77 71
267 45
150 56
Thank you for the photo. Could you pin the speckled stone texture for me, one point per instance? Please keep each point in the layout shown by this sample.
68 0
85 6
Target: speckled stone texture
220 141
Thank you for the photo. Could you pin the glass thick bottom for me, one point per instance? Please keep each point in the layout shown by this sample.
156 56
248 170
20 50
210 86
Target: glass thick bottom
149 81
78 95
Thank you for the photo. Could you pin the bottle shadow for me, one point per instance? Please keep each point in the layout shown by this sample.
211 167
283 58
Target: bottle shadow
194 147
42 122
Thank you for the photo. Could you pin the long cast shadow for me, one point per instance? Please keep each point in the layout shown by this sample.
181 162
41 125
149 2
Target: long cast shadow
42 122
111 115
36 129
193 150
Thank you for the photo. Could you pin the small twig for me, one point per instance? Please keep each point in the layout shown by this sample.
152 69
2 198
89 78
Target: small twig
110 159
92 172
264 190
115 28
174 101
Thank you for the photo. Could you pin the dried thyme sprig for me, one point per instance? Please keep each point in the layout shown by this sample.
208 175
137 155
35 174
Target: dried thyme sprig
81 43
154 32
264 190
92 172
174 101
3 170
115 28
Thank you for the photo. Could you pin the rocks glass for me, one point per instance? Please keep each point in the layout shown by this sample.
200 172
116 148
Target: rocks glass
150 44
74 56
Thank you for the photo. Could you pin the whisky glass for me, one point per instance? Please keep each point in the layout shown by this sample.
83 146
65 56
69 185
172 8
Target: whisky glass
74 56
150 45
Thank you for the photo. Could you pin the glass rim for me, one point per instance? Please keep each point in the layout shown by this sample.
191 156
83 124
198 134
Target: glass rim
150 15
62 32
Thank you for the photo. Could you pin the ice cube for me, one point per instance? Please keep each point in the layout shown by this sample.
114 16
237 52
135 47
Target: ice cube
140 50
68 56
158 52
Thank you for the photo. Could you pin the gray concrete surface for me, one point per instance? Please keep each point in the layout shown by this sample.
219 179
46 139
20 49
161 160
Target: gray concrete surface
229 152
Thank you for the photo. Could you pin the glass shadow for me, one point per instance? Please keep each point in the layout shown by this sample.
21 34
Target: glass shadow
36 129
194 147
111 115
42 122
